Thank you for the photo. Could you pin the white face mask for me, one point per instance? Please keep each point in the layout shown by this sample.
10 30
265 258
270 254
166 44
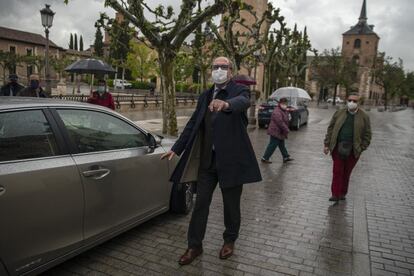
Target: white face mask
219 76
101 89
352 105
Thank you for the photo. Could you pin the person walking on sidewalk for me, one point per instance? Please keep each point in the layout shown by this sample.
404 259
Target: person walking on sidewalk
348 135
215 147
278 131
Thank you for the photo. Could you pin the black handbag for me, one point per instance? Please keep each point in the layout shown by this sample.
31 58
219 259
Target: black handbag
344 149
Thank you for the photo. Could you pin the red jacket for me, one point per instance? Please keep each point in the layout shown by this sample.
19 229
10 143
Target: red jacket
104 100
279 124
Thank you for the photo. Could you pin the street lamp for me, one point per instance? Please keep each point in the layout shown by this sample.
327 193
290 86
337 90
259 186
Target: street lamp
47 20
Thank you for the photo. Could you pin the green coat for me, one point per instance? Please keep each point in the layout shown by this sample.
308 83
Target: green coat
362 130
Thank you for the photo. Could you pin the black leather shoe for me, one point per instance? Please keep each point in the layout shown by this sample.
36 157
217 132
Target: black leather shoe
226 251
332 198
189 255
285 160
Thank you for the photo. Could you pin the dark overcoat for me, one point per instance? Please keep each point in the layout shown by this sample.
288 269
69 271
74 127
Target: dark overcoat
235 158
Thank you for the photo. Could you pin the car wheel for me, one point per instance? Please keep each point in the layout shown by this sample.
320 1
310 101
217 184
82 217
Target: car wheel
182 195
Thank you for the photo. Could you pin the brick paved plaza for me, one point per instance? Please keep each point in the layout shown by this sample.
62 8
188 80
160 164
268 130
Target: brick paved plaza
288 225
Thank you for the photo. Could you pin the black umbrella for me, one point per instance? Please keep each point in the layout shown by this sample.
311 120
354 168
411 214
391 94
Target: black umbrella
90 66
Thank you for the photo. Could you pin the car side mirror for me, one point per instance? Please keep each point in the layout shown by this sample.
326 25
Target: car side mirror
153 141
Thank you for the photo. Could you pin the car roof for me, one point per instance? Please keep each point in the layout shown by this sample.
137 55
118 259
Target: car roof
7 102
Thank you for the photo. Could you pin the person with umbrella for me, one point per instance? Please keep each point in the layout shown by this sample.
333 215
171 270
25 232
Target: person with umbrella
278 131
101 96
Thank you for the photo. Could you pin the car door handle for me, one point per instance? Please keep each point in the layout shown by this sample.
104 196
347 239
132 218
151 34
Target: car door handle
2 190
97 174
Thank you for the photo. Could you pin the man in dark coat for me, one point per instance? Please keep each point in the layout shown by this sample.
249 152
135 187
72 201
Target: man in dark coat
34 89
215 147
12 88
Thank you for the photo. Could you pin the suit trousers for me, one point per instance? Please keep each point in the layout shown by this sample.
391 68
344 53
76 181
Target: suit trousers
207 182
342 169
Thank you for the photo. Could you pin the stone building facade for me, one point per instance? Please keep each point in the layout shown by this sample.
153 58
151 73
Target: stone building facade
25 43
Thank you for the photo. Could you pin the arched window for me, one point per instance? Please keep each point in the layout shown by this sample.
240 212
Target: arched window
357 43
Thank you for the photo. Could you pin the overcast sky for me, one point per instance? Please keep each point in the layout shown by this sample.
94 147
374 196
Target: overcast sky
326 20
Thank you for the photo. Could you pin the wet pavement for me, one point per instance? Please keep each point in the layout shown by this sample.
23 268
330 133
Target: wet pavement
288 225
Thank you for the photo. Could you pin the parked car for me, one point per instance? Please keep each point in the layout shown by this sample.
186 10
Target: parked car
118 83
337 100
298 113
73 175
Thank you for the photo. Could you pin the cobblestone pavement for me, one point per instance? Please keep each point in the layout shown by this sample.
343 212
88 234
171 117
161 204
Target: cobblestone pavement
288 225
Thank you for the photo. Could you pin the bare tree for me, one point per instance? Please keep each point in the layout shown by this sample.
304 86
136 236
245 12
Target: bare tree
166 34
390 75
240 39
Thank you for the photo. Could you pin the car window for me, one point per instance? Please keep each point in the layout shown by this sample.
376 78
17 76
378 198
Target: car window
93 131
25 134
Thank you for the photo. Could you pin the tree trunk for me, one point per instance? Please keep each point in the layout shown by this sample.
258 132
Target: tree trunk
4 75
203 80
385 99
123 77
168 94
268 80
334 95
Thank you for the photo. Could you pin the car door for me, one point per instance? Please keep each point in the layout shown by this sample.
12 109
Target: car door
123 179
41 197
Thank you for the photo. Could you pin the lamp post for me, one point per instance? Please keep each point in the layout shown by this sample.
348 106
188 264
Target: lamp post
47 20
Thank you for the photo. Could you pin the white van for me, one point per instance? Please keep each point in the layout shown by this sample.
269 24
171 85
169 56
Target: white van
118 83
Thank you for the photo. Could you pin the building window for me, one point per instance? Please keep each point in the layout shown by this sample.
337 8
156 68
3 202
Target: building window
347 43
357 43
12 49
29 52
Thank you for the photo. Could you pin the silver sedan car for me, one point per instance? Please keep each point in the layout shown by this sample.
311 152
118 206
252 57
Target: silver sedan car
73 175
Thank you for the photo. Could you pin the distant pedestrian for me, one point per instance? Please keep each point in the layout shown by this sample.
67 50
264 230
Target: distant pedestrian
34 89
348 135
12 87
216 148
278 131
101 96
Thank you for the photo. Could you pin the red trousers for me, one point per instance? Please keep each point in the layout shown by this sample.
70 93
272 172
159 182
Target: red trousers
342 169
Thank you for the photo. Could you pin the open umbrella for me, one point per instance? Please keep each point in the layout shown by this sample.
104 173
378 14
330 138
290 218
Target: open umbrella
90 66
244 79
290 92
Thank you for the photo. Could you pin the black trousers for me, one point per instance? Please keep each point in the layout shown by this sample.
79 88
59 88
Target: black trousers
207 182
